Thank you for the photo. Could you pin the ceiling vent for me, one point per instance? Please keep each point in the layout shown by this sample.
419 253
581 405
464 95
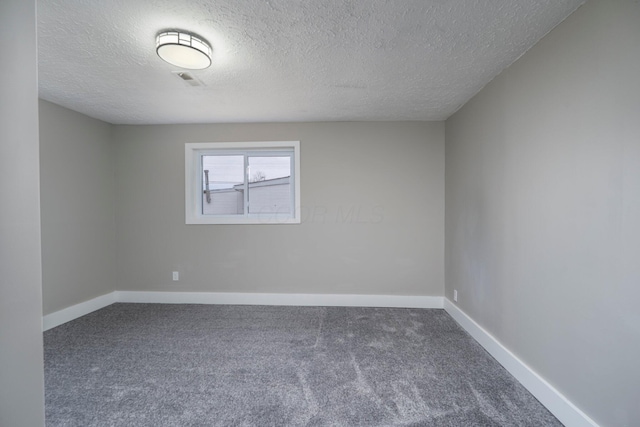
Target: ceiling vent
187 78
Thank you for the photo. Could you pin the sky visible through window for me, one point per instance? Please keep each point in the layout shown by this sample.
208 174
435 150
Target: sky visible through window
226 171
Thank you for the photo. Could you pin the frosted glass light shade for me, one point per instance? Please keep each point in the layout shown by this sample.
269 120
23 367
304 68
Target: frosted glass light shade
183 50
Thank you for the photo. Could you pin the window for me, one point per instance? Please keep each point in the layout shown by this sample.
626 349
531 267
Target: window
242 182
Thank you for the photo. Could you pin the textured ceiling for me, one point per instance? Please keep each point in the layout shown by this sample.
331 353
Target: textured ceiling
284 60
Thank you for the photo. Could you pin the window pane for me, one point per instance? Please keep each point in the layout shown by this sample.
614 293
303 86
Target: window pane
223 185
269 185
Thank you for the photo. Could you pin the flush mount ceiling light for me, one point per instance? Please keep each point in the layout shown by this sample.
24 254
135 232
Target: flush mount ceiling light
183 50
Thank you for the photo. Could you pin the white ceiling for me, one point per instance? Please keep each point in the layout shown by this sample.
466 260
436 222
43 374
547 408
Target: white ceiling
284 60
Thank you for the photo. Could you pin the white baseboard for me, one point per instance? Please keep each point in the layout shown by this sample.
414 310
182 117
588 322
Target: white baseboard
70 313
333 300
552 399
392 301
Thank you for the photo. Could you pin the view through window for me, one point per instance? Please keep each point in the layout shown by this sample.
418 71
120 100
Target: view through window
266 179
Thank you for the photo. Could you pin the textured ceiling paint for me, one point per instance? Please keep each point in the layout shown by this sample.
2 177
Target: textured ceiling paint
284 60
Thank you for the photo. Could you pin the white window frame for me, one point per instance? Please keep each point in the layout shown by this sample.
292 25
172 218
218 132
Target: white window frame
193 153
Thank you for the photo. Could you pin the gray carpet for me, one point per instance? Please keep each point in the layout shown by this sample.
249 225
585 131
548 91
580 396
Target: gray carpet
203 365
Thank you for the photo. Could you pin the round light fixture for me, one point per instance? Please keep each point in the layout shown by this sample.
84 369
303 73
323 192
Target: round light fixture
183 50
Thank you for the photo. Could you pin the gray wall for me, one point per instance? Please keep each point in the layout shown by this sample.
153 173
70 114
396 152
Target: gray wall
77 206
543 209
372 218
21 372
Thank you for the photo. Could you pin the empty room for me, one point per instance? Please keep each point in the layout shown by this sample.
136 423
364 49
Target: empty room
320 213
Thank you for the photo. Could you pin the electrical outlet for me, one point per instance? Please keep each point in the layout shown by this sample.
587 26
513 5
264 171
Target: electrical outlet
455 295
176 276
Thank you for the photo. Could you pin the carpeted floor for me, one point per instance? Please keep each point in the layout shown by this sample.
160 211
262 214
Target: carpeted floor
204 365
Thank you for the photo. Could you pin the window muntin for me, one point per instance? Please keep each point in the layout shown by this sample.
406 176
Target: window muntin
242 183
